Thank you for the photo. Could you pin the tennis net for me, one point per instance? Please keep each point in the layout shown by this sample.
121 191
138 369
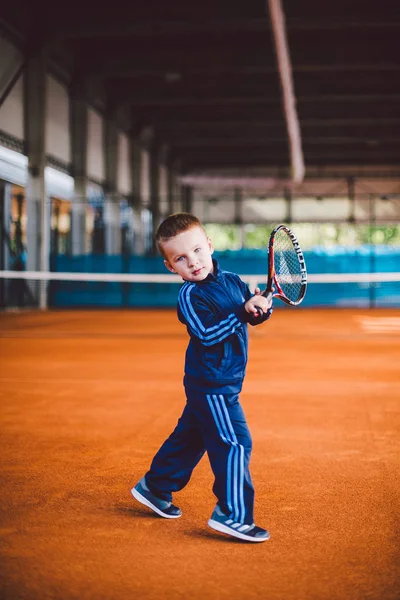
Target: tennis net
37 289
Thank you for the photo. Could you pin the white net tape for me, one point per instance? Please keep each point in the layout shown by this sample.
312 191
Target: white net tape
160 278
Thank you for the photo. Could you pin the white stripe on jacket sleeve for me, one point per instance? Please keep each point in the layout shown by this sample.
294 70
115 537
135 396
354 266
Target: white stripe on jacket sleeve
207 335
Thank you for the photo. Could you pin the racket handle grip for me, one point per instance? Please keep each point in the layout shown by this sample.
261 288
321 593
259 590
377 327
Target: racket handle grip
269 297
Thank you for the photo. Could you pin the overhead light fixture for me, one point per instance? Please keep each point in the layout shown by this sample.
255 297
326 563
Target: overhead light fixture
172 76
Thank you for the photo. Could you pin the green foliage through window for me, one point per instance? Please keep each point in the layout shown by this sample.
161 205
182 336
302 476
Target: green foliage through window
310 235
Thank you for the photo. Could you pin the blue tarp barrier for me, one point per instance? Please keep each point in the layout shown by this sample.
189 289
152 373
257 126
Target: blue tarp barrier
363 259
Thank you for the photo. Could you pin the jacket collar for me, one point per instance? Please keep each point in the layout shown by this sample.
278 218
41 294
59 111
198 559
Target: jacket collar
215 275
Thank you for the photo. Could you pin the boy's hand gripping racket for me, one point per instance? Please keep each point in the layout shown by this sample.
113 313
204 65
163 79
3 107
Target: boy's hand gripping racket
287 274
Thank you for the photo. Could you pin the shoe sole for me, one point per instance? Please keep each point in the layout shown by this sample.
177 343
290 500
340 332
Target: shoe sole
224 529
153 507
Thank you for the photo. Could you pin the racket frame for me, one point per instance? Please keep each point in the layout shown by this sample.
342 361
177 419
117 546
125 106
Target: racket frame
272 281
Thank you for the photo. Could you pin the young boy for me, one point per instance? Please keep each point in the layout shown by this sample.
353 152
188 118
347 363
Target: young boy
215 306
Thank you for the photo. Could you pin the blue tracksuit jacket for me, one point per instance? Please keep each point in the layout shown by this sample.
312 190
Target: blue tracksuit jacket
214 314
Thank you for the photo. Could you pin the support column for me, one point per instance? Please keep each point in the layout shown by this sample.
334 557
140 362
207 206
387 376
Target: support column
372 256
238 202
5 221
38 207
164 176
352 197
79 136
170 189
3 240
177 201
78 217
154 173
112 221
136 164
79 133
187 198
289 200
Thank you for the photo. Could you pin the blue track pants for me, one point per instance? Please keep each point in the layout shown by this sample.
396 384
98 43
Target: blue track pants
212 423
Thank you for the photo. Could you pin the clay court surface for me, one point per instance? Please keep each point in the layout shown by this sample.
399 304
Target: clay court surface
87 397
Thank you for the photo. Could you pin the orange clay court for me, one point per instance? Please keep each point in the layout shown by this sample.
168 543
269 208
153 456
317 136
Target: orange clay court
87 397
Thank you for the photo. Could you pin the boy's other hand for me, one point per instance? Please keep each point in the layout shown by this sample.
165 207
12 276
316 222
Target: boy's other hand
258 301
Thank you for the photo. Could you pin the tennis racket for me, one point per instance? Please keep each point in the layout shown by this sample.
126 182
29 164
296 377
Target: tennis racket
287 274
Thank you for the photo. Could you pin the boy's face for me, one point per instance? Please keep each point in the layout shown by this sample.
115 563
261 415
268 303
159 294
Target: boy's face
189 254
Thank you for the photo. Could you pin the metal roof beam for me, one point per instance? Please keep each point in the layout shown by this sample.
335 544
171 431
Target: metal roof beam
153 28
265 141
122 67
272 160
181 127
151 101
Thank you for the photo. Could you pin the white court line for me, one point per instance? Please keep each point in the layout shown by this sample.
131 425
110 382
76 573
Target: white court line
389 325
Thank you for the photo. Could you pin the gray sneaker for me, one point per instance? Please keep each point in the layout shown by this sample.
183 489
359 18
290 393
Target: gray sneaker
163 508
251 533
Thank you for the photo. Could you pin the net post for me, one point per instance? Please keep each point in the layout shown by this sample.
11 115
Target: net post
43 303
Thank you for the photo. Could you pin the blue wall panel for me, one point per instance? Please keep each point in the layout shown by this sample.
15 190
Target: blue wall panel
250 262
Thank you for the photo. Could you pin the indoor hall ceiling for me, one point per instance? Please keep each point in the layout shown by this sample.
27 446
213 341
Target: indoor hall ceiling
204 74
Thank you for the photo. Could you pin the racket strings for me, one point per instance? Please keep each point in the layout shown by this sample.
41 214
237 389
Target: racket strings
288 272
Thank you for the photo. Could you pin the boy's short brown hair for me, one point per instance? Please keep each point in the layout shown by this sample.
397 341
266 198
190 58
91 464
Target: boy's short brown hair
173 225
